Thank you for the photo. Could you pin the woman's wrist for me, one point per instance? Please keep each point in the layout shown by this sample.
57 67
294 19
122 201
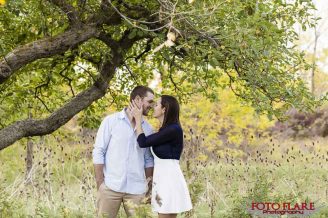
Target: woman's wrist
139 129
138 120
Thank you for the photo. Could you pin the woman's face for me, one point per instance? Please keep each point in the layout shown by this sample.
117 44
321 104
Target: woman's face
158 109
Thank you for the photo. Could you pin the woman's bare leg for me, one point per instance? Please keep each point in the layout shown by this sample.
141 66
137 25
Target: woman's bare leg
172 215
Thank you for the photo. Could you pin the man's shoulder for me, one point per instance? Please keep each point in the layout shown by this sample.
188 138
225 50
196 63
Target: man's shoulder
111 117
147 125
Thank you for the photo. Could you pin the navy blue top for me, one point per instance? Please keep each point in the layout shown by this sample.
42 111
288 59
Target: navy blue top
167 143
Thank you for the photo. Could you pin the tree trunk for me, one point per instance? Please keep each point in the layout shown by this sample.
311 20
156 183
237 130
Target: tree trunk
29 155
316 37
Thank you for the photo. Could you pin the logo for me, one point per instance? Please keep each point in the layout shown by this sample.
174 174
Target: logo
284 208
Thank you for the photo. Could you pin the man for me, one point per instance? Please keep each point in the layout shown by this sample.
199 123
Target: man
120 164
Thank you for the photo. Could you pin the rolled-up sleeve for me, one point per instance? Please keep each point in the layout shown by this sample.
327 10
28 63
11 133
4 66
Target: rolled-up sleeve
149 159
102 140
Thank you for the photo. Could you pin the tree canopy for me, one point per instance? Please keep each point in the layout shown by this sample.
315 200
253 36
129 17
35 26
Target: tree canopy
61 57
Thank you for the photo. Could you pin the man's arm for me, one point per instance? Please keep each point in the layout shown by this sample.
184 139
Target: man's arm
149 163
149 175
100 149
99 174
149 169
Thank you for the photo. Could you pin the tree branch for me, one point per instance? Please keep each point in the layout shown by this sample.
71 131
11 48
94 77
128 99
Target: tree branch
38 89
50 46
44 48
69 10
147 49
131 73
33 127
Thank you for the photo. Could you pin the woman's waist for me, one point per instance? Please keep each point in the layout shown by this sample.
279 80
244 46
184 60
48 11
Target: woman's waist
171 162
167 152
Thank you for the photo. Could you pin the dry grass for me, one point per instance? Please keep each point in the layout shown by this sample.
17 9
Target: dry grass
61 183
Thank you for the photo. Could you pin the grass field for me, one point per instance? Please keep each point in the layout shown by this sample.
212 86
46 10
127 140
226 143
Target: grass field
222 184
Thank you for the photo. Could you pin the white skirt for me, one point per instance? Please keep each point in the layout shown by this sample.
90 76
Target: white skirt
170 192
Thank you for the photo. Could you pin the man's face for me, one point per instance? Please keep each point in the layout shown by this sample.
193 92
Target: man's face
147 103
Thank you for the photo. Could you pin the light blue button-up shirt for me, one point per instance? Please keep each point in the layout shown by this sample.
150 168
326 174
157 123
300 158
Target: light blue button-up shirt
124 161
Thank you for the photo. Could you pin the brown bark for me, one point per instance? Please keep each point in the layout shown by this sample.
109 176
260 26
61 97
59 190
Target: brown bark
29 160
29 154
44 48
316 37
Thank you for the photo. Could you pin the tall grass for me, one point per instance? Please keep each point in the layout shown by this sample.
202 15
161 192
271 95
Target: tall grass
222 184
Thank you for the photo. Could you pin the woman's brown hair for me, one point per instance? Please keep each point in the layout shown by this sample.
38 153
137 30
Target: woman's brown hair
172 110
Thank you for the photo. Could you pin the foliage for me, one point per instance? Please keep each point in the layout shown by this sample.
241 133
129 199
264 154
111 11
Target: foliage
9 207
260 192
248 43
238 54
226 123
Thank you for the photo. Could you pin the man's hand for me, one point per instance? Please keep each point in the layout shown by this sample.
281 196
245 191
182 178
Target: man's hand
148 193
99 184
147 199
149 175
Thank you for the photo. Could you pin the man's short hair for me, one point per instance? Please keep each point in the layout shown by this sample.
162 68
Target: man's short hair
141 91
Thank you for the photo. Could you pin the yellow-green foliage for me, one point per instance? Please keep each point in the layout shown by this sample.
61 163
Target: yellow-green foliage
226 121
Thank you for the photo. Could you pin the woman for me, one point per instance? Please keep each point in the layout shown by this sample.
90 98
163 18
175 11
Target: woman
170 194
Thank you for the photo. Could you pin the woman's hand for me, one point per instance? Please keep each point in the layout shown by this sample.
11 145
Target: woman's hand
136 110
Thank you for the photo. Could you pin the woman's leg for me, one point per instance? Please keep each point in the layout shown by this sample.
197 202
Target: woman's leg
172 215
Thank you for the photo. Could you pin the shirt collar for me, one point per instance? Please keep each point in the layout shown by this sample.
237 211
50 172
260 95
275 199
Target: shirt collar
123 115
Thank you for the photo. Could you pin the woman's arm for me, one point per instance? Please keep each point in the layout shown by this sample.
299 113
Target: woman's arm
167 134
138 125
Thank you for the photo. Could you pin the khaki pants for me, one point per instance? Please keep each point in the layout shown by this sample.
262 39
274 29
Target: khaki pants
109 202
